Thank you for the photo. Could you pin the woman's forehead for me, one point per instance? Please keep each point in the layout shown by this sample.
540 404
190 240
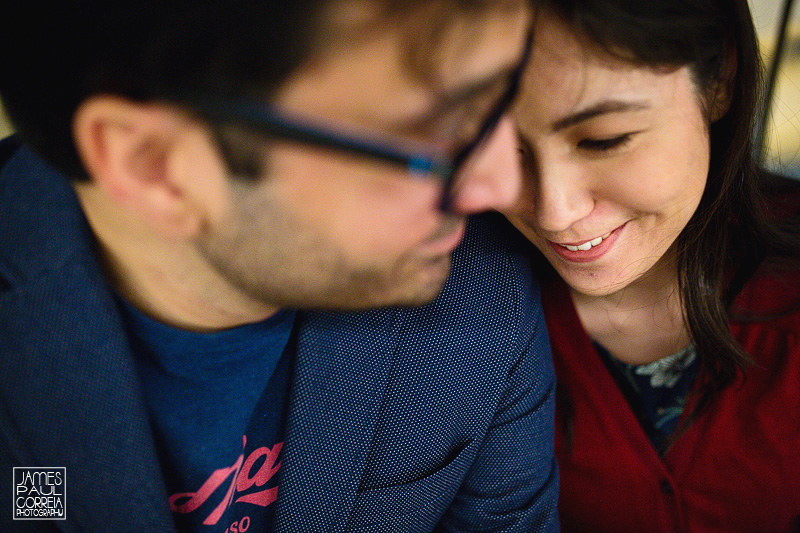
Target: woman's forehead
567 73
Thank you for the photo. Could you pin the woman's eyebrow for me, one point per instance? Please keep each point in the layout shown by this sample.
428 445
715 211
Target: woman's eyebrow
601 108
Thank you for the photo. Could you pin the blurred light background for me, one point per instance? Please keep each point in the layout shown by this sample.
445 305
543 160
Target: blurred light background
782 126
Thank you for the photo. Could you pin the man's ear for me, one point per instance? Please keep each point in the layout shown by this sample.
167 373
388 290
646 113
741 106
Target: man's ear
129 150
720 94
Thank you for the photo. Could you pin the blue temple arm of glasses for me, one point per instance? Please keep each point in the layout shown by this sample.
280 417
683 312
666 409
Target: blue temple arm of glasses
279 126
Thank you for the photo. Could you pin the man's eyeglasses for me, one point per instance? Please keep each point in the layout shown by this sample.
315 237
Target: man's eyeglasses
280 126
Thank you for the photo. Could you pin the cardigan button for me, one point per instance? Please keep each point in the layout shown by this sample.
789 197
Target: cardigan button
666 487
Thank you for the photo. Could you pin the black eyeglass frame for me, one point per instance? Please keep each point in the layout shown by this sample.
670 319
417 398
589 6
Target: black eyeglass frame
279 126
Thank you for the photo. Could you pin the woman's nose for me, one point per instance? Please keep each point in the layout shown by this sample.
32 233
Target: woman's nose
556 190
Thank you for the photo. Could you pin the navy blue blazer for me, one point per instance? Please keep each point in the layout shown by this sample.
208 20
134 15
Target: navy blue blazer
417 419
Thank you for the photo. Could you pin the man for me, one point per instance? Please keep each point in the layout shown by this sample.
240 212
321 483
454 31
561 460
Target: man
186 320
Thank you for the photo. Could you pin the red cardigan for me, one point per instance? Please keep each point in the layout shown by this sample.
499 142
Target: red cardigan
737 467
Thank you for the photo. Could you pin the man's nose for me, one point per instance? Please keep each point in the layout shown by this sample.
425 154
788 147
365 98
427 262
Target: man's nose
492 177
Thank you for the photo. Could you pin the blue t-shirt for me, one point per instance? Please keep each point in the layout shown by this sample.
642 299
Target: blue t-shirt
217 406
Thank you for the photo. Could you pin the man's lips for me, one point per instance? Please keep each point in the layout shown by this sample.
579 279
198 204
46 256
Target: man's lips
446 239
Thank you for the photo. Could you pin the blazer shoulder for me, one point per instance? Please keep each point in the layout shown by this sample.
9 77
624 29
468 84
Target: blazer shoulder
43 226
491 298
493 263
492 243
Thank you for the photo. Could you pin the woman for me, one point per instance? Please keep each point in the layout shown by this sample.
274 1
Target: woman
669 267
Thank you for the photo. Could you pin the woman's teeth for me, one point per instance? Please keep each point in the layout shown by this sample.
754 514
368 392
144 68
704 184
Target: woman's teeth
588 245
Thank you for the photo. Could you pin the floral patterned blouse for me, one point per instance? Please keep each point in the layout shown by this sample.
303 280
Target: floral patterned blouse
656 391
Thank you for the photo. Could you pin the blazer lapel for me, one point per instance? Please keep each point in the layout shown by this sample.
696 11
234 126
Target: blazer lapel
69 391
340 375
72 399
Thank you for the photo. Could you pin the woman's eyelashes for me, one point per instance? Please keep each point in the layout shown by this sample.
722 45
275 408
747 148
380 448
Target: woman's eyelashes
607 144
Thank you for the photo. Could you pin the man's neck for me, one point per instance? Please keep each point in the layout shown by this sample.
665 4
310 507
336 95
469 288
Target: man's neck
168 279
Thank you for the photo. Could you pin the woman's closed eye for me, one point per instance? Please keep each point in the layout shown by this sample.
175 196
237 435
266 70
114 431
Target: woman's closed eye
607 144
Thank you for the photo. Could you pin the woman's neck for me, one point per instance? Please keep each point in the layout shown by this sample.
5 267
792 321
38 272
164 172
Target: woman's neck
640 323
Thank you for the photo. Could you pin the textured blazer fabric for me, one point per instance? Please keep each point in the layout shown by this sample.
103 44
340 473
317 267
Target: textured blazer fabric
413 419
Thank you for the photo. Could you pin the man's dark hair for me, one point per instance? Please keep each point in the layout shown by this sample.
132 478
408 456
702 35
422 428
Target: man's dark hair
57 55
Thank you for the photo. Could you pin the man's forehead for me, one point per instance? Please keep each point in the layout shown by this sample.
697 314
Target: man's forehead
442 42
398 68
479 47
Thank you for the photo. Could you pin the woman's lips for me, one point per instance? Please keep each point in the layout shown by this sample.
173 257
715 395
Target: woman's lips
585 251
